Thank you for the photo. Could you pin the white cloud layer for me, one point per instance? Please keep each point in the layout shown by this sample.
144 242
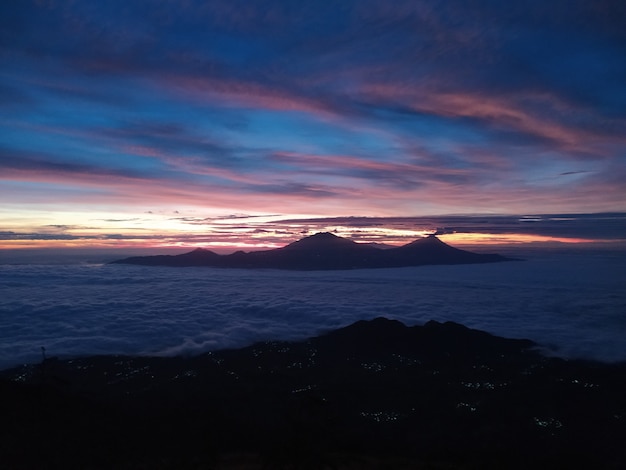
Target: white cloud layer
571 303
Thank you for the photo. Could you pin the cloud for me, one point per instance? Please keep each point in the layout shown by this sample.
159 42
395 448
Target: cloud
570 306
359 108
607 226
273 231
42 236
14 162
132 219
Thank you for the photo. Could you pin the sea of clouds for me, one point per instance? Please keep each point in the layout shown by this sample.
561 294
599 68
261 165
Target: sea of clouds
573 303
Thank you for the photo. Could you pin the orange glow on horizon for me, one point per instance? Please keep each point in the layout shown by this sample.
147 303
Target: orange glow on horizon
506 239
228 243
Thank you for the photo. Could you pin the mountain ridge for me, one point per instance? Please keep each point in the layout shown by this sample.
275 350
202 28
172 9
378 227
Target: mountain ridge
370 395
325 251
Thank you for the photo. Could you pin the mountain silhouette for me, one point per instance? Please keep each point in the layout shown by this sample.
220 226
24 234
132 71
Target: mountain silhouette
376 394
325 251
197 257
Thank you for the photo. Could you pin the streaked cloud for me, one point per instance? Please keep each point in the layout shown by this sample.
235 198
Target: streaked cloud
229 233
309 110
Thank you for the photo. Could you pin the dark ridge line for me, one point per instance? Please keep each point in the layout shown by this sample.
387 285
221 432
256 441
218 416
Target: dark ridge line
371 395
325 251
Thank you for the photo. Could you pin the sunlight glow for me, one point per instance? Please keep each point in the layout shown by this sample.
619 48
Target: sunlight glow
505 239
254 237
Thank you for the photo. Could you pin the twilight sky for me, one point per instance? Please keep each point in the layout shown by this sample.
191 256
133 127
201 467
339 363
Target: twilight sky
171 122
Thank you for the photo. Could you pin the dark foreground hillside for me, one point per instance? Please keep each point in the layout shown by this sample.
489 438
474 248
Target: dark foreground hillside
374 395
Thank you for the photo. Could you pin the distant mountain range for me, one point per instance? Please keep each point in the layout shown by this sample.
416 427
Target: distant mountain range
325 251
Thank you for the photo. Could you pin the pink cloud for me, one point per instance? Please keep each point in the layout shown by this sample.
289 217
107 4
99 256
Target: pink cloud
350 166
501 112
233 92
189 165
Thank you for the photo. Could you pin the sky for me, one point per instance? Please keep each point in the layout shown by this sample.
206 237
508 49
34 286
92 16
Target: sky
250 123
